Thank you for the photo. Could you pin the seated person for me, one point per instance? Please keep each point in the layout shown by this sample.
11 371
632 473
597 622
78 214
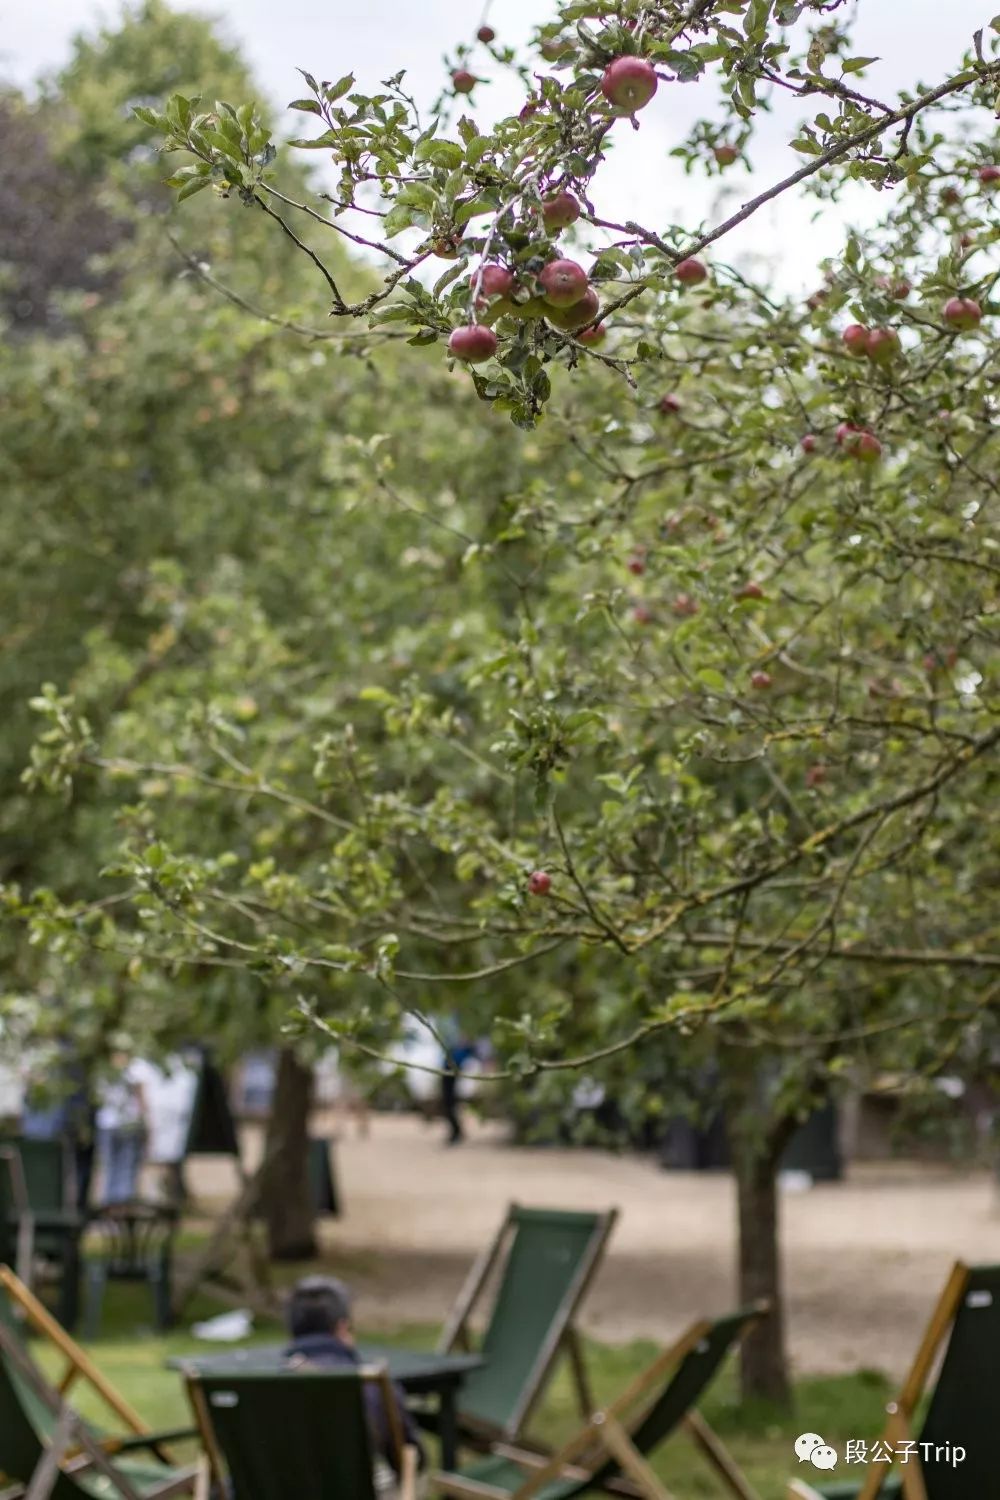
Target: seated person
319 1322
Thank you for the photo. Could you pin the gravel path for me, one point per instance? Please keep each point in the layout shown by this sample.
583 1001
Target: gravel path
864 1259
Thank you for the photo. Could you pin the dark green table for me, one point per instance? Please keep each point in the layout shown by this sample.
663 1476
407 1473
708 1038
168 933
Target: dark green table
417 1371
57 1234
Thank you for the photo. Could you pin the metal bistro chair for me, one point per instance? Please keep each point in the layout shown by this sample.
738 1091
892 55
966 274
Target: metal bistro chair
131 1241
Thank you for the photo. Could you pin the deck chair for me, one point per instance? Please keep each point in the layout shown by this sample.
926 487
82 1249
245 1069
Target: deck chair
964 1408
548 1259
47 1452
301 1434
19 1306
612 1450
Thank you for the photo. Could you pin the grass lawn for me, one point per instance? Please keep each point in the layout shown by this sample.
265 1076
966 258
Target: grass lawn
839 1407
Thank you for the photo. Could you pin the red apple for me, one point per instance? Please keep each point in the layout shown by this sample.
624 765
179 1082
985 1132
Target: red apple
563 282
539 882
883 345
749 590
808 443
569 319
845 433
473 343
636 564
816 775
690 271
495 281
898 291
989 177
486 34
669 403
595 335
760 680
725 155
855 340
561 210
642 614
867 448
462 81
962 313
628 84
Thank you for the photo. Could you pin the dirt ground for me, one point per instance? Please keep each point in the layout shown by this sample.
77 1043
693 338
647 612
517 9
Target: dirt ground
863 1259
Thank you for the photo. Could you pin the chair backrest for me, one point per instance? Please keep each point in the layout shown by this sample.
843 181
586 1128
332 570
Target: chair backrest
301 1433
131 1237
25 1422
44 1166
679 1389
964 1409
551 1256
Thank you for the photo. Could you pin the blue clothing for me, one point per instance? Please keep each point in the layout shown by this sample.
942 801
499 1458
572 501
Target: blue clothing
329 1352
120 1156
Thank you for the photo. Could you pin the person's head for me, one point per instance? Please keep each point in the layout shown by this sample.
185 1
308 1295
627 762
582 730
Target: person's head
319 1304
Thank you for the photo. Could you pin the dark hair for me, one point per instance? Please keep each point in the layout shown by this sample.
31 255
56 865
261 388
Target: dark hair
317 1305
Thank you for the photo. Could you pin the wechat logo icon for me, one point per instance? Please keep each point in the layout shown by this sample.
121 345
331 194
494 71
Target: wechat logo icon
811 1448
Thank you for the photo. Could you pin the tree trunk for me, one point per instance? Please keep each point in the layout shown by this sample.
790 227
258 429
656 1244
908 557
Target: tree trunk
285 1194
763 1361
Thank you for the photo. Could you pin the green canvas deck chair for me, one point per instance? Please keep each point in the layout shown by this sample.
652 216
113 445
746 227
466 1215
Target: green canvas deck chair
546 1259
294 1435
47 1452
963 1411
611 1451
20 1308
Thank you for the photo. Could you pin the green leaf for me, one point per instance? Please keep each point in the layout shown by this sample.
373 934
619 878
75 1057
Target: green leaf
190 188
308 106
856 64
335 91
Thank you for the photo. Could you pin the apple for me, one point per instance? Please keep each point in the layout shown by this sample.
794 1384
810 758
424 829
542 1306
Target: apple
690 271
855 340
725 155
760 680
962 313
628 84
808 443
898 291
989 177
494 280
749 590
594 335
684 605
473 343
845 432
642 614
883 346
560 211
539 882
669 403
569 319
866 448
462 81
816 775
486 34
637 564
563 282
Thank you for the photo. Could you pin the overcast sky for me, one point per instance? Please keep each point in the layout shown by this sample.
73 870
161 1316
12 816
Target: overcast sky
915 40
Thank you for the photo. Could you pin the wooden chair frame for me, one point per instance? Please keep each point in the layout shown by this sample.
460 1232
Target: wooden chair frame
608 1434
563 1337
900 1412
72 1449
407 1457
79 1366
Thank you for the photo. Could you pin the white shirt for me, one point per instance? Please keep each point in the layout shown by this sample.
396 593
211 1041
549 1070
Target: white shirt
169 1093
119 1106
